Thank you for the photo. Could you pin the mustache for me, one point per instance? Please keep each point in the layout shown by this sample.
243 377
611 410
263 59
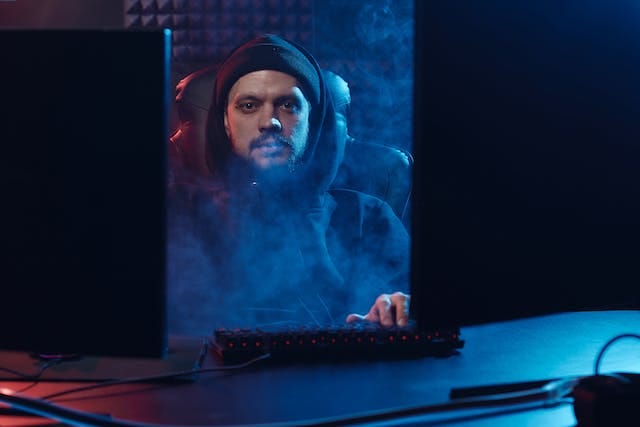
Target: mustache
269 138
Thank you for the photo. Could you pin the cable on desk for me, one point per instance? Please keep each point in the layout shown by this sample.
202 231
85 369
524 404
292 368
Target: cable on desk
155 377
550 396
496 389
43 367
52 411
608 344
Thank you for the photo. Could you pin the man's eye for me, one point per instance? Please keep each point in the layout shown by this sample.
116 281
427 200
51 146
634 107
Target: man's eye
289 106
246 106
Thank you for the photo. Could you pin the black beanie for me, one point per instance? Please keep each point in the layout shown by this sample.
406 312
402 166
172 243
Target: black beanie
268 52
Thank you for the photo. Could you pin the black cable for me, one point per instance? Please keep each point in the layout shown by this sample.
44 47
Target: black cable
27 387
608 344
52 411
149 378
551 395
510 409
37 375
528 385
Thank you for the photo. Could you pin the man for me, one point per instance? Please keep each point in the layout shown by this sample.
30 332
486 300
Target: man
275 246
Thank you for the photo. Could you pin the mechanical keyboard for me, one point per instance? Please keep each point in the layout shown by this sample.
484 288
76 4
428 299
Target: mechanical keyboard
359 341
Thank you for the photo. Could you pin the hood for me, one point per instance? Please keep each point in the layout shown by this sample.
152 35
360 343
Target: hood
323 154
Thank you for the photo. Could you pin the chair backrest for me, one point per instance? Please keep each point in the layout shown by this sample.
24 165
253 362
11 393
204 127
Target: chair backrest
187 143
383 171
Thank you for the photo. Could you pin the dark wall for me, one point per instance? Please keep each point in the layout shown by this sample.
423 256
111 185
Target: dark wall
368 42
61 14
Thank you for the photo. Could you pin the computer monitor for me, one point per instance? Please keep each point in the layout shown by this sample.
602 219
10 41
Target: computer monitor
83 178
526 196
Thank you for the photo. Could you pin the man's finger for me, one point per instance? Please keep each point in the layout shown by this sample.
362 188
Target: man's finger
353 317
371 316
388 310
385 309
400 303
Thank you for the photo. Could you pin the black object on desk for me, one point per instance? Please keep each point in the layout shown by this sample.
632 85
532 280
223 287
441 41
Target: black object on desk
608 400
335 343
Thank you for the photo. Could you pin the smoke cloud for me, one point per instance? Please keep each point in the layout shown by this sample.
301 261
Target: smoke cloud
266 265
254 279
370 44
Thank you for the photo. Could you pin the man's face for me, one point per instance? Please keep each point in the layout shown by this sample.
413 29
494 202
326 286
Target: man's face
267 119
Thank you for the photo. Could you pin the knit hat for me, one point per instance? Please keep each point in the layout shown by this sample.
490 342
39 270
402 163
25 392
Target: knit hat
268 52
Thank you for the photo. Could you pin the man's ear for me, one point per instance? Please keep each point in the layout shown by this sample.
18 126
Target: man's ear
226 124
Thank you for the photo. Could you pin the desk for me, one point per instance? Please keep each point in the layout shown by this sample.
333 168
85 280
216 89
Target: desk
537 348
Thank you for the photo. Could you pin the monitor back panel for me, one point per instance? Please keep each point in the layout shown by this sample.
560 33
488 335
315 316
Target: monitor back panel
527 181
83 175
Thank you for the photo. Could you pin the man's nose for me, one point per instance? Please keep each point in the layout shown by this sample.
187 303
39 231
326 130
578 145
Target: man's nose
270 122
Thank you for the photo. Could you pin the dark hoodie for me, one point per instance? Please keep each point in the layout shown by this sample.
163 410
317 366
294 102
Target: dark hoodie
252 254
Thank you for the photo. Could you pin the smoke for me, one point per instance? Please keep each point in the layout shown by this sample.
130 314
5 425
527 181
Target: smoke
370 44
274 268
278 267
258 262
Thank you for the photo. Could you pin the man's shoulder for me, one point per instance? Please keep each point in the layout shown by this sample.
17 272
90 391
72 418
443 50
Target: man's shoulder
353 205
359 215
345 197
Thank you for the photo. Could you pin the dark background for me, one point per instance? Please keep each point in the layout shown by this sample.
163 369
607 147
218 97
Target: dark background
527 185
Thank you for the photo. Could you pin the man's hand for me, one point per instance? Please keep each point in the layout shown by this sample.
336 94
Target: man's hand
388 310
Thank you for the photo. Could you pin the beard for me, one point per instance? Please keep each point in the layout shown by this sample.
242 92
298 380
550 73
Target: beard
272 168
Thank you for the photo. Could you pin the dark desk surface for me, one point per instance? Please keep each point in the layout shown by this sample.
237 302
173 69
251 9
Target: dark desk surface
531 349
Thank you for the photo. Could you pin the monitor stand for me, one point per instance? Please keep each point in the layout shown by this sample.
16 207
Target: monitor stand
185 354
